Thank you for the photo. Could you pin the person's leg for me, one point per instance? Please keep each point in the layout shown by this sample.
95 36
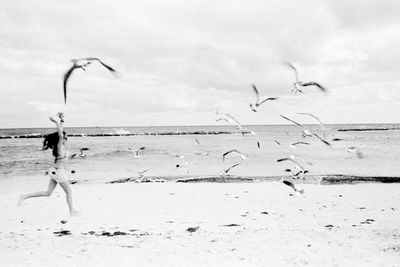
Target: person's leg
52 185
65 186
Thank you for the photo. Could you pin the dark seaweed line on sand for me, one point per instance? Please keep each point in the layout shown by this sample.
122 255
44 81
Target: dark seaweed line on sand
115 134
367 129
353 179
311 179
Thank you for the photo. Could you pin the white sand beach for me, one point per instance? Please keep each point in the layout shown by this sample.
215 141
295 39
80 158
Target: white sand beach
205 224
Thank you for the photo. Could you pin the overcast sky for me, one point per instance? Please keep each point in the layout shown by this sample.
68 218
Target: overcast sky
180 61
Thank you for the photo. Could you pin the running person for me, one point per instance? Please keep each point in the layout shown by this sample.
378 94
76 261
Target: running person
58 175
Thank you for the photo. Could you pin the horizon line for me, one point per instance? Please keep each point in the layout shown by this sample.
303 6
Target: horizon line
290 124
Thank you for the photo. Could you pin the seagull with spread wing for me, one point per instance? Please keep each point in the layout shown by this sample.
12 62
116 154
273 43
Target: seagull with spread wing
141 173
291 154
235 151
229 118
258 102
296 174
138 150
306 132
81 63
82 154
296 164
323 129
298 85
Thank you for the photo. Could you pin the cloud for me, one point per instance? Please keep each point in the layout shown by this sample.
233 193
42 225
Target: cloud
188 58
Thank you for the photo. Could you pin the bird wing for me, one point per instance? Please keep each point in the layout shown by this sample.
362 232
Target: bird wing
268 99
197 141
233 151
286 118
253 133
66 77
294 162
101 62
313 116
322 140
106 66
221 119
294 69
232 118
283 159
316 84
90 59
300 143
231 167
84 149
256 91
141 172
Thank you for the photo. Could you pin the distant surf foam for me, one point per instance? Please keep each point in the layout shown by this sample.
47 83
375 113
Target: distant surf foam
122 133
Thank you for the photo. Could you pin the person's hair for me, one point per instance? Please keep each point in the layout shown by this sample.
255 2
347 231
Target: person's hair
51 141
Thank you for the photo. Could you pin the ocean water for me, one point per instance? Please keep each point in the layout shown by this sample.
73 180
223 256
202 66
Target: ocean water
113 157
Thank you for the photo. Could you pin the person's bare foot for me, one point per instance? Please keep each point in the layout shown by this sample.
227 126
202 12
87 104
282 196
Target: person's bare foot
21 199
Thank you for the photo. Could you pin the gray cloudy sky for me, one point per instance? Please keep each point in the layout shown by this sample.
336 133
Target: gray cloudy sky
179 61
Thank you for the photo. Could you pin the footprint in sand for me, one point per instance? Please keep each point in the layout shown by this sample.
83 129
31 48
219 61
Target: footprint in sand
192 229
231 225
62 233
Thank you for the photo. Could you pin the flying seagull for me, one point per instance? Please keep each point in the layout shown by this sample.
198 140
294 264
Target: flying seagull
258 102
296 174
138 150
229 118
242 155
305 131
292 155
83 155
296 164
297 85
314 117
141 173
81 63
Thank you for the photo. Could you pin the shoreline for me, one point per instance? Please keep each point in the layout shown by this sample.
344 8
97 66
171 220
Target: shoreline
329 179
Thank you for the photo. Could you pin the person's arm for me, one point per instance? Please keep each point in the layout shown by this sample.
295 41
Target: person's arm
59 124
